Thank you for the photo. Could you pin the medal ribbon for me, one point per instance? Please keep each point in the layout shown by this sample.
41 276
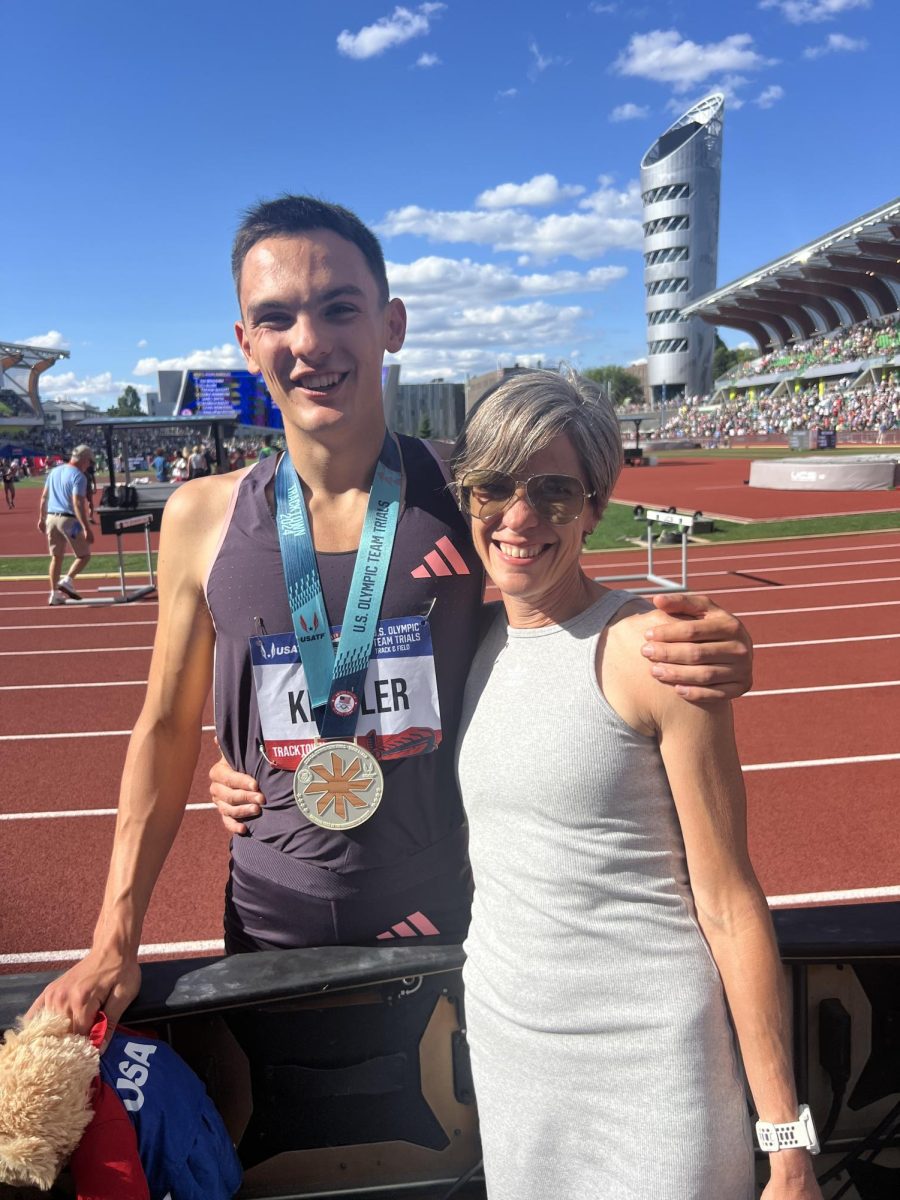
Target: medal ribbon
327 672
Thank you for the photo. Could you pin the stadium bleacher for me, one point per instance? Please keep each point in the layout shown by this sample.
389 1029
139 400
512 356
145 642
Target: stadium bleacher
846 380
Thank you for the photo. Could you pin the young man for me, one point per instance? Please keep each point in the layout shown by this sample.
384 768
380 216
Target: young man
316 320
65 519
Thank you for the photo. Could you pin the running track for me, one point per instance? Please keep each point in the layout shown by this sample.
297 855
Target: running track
819 738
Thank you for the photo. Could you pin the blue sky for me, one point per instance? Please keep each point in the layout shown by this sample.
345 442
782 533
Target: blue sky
494 145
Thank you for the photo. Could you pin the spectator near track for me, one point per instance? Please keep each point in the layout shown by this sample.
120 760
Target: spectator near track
160 465
198 467
64 518
10 473
316 320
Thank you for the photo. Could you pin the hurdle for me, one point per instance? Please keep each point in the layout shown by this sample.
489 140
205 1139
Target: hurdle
659 582
126 596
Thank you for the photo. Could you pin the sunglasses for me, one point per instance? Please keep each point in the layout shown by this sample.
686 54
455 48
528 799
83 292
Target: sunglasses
559 499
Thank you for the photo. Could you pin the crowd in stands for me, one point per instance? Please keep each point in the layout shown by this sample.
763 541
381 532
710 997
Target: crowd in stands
870 339
55 445
758 412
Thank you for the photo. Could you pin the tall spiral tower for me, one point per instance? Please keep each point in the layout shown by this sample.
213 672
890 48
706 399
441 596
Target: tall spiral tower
680 181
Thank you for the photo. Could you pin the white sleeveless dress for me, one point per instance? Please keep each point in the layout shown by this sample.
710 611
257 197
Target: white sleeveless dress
604 1059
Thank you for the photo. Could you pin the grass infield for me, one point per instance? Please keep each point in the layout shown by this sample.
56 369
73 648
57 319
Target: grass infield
102 565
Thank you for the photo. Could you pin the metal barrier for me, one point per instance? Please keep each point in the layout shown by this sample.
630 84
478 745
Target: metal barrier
130 525
660 582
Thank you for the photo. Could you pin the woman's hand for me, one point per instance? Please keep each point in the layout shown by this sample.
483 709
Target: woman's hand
705 653
792 1177
236 796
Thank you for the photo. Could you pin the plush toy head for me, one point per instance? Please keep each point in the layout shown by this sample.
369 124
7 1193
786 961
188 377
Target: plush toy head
45 1098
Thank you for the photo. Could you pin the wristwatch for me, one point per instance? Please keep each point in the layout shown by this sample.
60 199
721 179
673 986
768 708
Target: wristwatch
792 1135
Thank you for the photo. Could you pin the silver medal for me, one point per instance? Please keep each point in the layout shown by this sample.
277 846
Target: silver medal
338 785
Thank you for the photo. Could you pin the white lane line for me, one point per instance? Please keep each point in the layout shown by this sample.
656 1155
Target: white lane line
868 637
83 812
44 687
217 945
738 553
86 606
697 570
873 893
40 737
820 762
62 956
87 650
80 625
831 687
794 587
779 612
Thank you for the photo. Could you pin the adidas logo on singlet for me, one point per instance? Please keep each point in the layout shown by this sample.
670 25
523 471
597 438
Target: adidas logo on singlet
445 559
415 925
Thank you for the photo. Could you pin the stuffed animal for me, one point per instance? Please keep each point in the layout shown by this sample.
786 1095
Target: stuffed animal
133 1123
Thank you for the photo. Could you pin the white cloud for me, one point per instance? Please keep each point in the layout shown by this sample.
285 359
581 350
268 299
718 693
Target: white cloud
610 220
540 62
608 202
142 343
769 96
436 282
402 25
539 191
422 365
101 390
226 357
52 340
508 93
428 60
802 12
629 112
665 57
582 235
836 43
602 8
729 86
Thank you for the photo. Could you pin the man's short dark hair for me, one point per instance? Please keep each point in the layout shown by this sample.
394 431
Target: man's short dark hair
289 215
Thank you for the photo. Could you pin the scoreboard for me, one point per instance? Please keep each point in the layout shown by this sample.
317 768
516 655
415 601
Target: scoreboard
239 395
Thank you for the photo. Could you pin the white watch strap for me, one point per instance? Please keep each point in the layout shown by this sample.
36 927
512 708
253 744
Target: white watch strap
791 1135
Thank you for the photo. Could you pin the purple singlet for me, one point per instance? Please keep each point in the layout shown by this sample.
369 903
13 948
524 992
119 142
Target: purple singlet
405 872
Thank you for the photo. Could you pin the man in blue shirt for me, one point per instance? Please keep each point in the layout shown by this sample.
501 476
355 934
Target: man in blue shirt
64 519
160 465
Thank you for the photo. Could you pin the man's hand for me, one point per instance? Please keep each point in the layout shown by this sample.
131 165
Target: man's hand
706 654
236 796
107 981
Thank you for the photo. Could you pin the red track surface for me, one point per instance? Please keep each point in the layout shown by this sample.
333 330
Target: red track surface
718 488
817 829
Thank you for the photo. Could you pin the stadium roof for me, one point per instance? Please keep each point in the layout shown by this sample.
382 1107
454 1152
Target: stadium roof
850 275
21 403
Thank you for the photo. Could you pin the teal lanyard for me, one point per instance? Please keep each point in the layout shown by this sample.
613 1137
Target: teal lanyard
335 680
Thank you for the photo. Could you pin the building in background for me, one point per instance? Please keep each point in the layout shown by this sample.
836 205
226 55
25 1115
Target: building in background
680 183
65 414
157 407
478 385
435 409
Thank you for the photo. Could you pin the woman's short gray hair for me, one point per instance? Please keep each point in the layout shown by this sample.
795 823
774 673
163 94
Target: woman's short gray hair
525 412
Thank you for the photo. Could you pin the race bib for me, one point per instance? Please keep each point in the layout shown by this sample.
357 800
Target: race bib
399 714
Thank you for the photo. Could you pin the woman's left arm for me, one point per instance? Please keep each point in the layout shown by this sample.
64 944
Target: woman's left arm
700 756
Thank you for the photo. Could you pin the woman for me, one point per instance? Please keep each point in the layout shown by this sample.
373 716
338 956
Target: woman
180 469
616 909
